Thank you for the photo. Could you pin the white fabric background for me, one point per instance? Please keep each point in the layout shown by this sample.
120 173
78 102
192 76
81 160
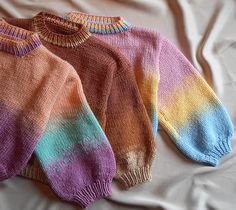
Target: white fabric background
205 30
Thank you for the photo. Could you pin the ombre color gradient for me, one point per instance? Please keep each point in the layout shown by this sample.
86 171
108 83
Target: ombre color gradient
42 102
147 85
187 107
74 151
80 131
18 136
19 130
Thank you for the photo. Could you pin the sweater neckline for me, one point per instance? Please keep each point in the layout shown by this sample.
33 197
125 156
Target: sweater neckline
99 24
17 41
79 33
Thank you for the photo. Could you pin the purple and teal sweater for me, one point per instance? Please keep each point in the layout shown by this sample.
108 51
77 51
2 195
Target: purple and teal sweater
43 109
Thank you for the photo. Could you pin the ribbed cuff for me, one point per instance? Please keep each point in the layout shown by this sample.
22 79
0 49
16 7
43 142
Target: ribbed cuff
223 148
89 194
135 177
31 172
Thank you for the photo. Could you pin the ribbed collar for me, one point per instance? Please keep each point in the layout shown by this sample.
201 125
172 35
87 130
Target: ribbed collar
99 24
78 33
17 41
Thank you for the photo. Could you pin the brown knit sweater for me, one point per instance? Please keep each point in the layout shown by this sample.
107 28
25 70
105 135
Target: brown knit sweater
111 91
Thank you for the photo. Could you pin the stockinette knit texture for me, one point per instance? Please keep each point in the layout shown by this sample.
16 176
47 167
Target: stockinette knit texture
20 130
43 108
172 89
111 90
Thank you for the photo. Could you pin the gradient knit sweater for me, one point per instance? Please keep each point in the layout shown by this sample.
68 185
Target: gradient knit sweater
172 89
43 108
110 88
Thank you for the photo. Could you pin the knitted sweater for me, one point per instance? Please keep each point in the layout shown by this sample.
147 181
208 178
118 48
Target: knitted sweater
172 89
110 88
41 97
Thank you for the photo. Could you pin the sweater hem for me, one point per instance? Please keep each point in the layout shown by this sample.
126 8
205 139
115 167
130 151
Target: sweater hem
33 173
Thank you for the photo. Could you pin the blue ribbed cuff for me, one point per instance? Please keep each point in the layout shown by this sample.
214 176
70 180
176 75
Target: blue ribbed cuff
209 157
223 148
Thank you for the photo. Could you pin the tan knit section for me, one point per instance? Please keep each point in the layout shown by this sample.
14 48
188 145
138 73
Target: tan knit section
35 173
137 172
136 176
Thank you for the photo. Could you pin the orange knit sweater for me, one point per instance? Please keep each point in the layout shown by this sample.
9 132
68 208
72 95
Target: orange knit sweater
110 88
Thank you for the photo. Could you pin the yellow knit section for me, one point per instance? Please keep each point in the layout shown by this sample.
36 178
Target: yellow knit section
194 96
148 89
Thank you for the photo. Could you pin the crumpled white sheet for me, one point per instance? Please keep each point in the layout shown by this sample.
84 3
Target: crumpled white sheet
205 31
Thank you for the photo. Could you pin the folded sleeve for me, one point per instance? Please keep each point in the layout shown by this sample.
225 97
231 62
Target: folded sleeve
189 110
74 152
129 128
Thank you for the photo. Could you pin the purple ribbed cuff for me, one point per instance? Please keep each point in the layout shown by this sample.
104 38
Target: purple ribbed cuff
100 189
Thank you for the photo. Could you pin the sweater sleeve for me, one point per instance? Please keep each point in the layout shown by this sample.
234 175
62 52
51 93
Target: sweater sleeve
74 151
189 110
128 128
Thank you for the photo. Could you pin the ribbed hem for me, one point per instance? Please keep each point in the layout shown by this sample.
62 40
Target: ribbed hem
99 24
31 172
223 148
135 177
17 41
79 33
89 194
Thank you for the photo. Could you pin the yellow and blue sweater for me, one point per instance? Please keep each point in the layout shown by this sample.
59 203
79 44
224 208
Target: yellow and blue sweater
173 91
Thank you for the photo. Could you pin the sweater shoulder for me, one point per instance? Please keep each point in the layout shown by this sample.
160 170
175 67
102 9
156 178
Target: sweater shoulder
41 59
142 38
143 35
106 53
143 31
105 49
